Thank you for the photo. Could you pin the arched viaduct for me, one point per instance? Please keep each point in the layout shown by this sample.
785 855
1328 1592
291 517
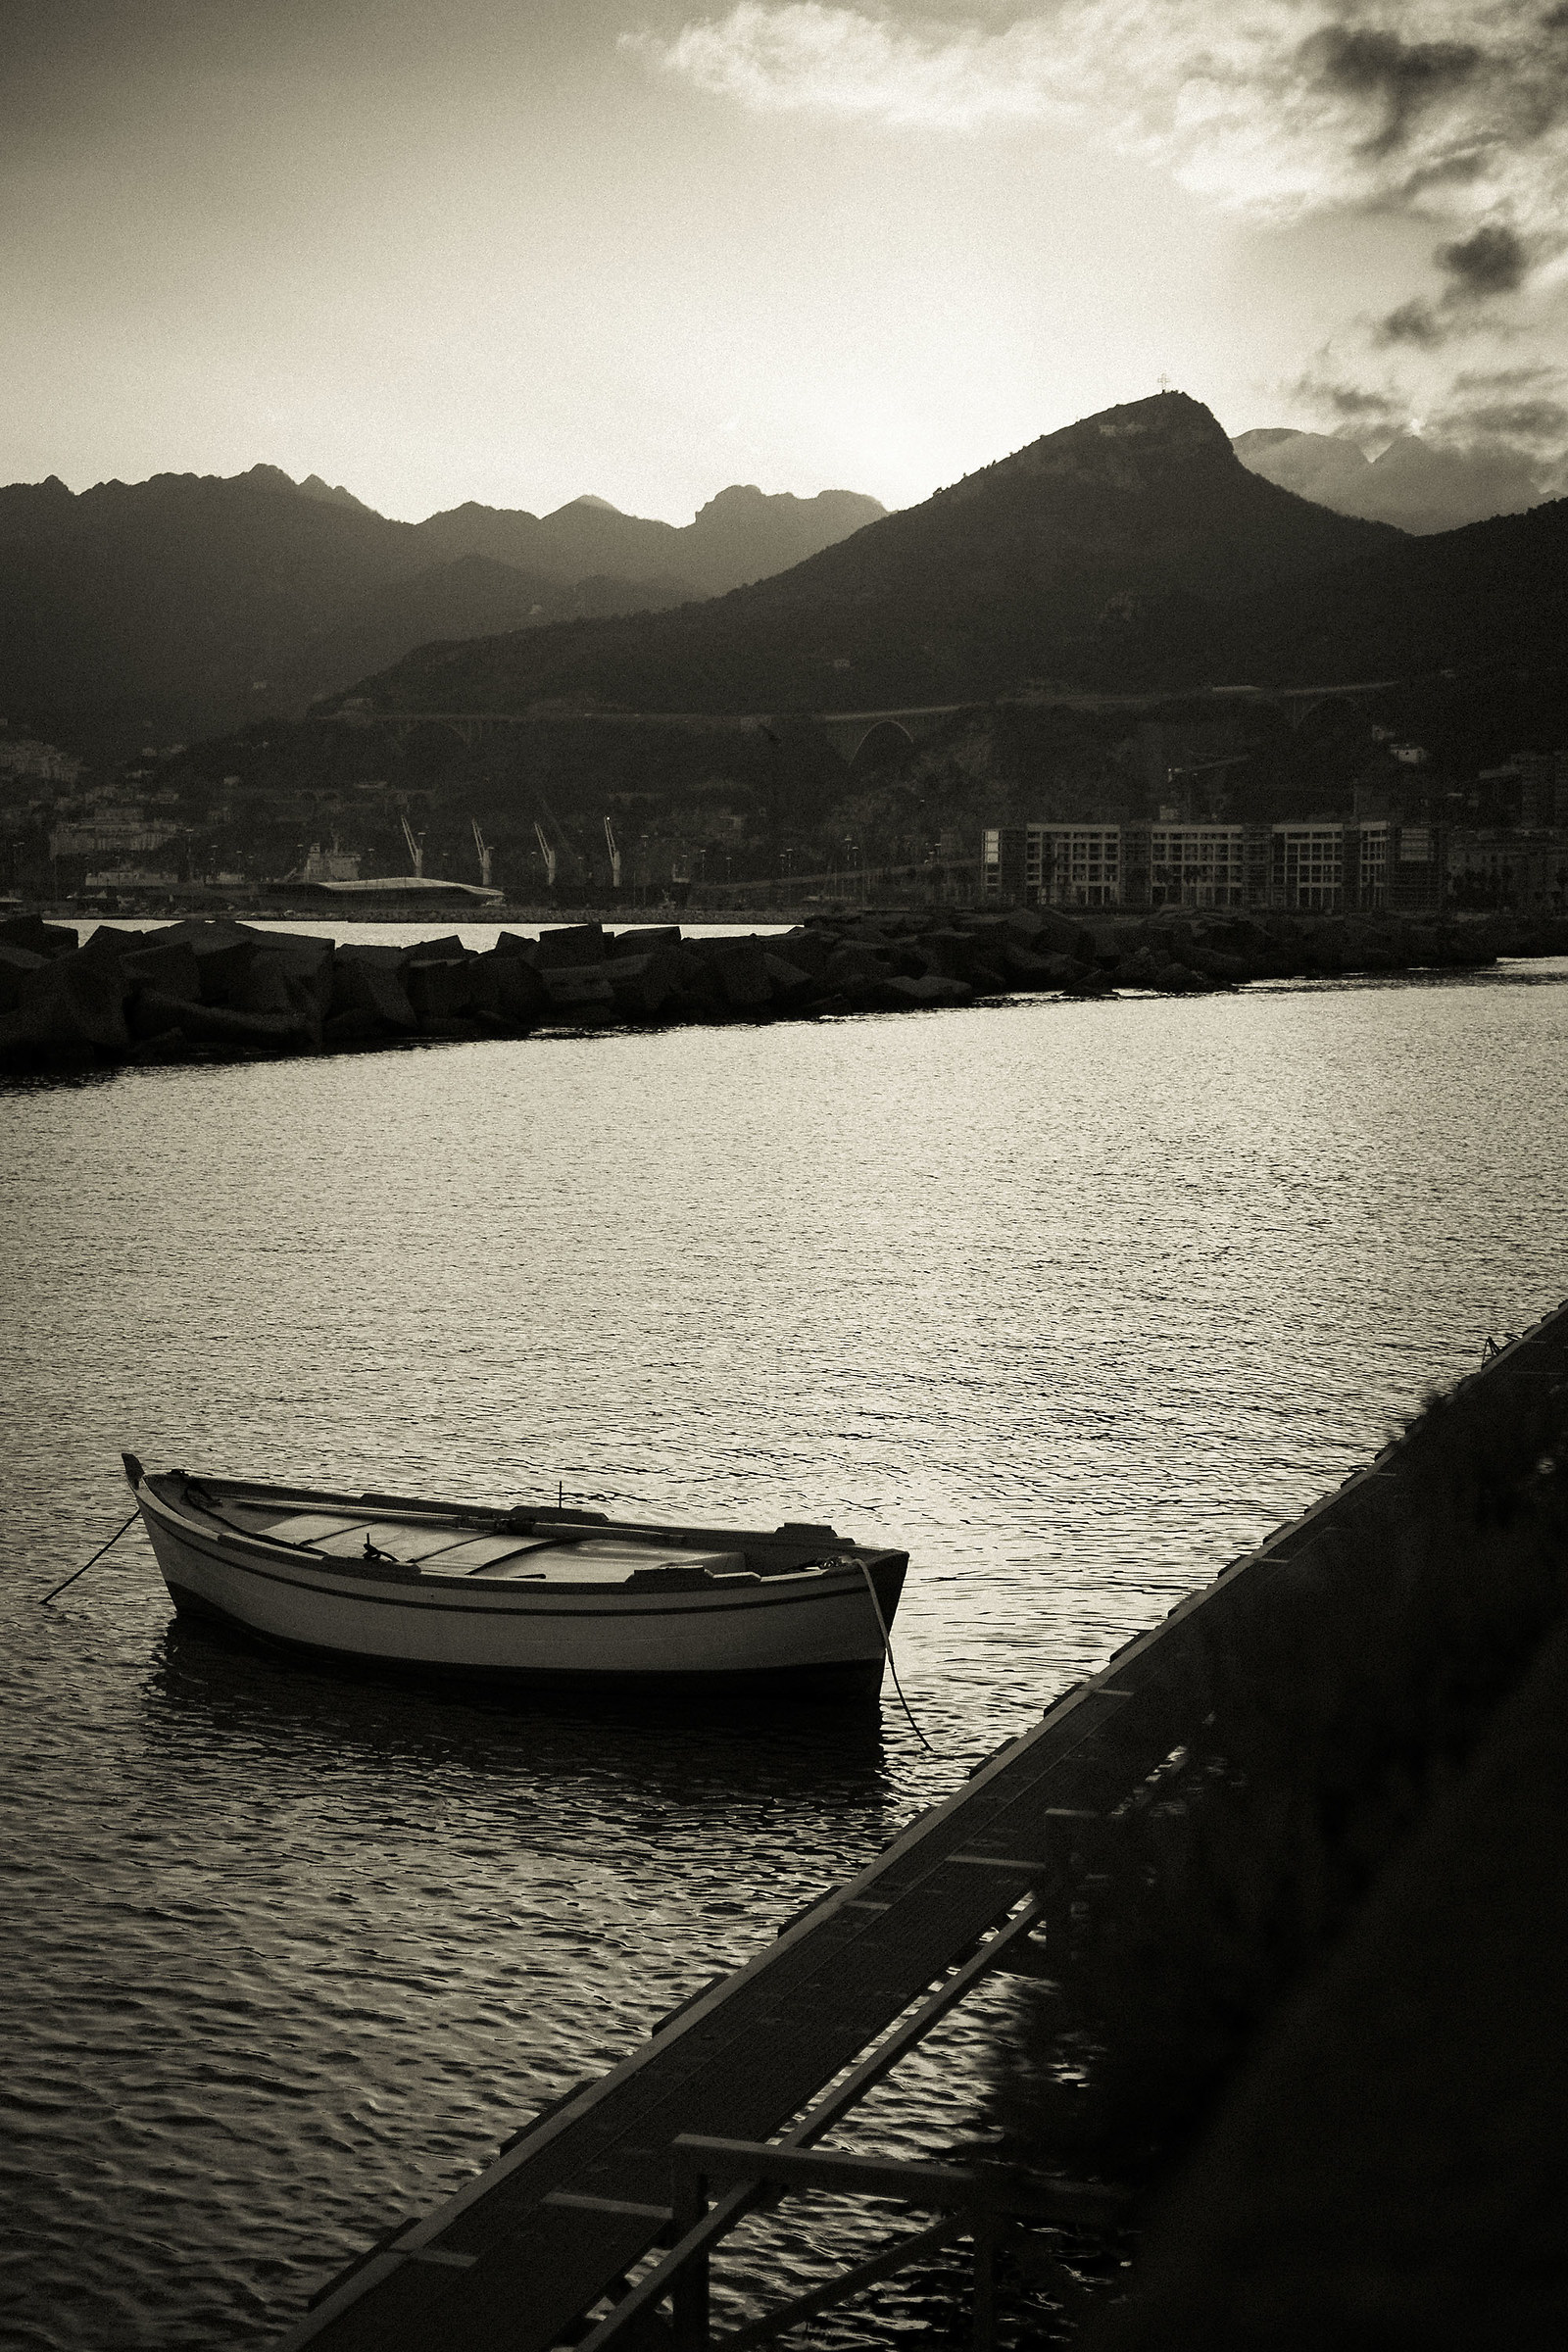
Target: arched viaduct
850 731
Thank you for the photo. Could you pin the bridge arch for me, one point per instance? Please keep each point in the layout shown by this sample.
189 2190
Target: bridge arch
1324 713
881 741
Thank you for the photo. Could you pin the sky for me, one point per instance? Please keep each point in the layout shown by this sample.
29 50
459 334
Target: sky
517 253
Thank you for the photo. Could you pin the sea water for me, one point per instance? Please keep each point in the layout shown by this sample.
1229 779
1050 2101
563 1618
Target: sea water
1072 1299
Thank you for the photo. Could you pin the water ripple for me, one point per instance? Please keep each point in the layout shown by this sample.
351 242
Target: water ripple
1075 1299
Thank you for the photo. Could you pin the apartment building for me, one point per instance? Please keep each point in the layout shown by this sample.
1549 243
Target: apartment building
1504 866
1313 865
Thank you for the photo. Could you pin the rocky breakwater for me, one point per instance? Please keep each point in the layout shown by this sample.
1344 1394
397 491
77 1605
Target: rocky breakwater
197 988
1181 952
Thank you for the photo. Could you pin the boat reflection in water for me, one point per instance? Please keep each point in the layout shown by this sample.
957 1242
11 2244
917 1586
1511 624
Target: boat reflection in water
529 1595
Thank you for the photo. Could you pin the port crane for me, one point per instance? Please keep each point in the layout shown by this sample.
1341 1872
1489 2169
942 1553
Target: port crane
615 854
415 842
546 851
483 848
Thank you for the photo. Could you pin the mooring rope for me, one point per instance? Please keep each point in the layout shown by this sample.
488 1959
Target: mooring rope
86 1564
887 1646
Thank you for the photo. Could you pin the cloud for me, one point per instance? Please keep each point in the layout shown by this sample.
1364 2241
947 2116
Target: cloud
806 57
1414 322
1491 262
1507 379
1511 422
1519 419
1406 79
1360 411
1279 107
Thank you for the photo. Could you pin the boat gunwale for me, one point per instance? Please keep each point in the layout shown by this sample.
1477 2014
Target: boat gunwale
406 1588
548 1521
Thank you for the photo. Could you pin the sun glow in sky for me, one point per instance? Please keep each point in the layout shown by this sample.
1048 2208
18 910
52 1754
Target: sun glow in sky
516 252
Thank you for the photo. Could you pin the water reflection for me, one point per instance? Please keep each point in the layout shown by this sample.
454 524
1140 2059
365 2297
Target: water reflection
674 1759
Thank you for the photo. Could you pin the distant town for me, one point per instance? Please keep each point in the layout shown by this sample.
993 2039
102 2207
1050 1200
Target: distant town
1121 818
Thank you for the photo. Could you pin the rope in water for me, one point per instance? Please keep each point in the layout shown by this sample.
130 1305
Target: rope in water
887 1644
86 1564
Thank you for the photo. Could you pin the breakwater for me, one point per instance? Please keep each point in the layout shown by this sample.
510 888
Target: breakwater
212 986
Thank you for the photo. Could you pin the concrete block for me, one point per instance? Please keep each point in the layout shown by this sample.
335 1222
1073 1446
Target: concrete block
808 950
1060 934
699 971
39 938
439 992
950 954
579 992
742 968
77 1003
376 989
853 966
263 987
150 1014
109 940
209 934
1024 970
217 1025
646 942
643 985
450 949
16 965
508 989
346 995
1066 971
371 954
308 960
223 970
173 970
791 986
903 994
570 948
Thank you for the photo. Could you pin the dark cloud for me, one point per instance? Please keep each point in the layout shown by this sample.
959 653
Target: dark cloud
1406 77
1505 379
1519 420
1493 260
1357 407
1414 322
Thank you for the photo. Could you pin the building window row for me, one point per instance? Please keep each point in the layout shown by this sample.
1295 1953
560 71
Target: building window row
1314 866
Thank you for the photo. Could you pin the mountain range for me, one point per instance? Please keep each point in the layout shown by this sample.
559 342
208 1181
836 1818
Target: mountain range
191 603
1132 552
1410 483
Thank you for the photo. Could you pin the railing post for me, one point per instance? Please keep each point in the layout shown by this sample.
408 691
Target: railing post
689 2289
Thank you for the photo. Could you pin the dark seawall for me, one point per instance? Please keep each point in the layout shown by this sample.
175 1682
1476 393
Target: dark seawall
214 987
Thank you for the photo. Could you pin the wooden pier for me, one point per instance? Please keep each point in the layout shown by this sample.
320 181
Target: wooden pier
539 2244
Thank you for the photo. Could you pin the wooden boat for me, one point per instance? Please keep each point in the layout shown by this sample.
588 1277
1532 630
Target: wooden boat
527 1594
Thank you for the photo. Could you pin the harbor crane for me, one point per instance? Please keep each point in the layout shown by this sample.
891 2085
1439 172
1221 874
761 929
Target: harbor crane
615 854
547 851
415 842
483 848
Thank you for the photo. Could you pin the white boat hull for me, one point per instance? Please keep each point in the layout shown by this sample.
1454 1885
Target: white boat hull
819 1627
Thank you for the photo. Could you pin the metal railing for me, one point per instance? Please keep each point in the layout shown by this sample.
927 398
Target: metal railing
974 2201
